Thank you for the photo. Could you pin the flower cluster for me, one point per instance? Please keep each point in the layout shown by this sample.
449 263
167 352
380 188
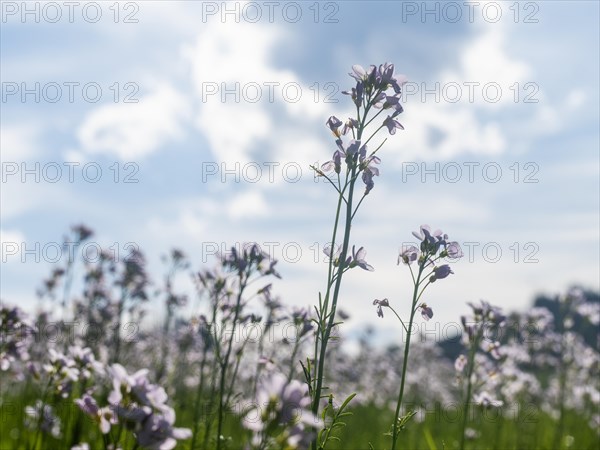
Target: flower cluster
142 407
104 417
15 330
250 258
485 320
480 329
43 417
374 83
371 91
66 369
138 405
357 259
282 414
431 243
433 247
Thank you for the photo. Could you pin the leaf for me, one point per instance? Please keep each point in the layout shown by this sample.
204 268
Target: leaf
429 439
348 400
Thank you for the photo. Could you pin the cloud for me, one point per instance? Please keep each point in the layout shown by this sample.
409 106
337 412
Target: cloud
486 59
11 236
18 142
437 131
132 131
244 98
247 204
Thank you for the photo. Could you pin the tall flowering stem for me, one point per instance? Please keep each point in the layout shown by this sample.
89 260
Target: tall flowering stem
485 318
405 359
251 261
434 246
370 92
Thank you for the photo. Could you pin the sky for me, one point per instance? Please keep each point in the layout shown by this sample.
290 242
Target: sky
192 125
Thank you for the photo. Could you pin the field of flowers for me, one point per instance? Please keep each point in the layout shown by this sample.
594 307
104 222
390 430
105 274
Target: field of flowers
249 372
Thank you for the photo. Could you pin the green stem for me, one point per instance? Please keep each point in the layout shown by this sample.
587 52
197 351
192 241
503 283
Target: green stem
41 413
225 362
327 333
323 308
401 321
405 361
471 363
199 395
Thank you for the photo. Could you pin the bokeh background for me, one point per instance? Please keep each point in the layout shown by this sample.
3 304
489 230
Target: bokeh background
500 148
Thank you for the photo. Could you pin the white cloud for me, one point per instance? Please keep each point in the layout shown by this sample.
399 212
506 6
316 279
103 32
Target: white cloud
247 204
18 142
230 59
486 59
575 99
11 236
134 130
436 131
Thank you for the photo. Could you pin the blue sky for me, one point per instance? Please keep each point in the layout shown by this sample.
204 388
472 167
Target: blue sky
549 136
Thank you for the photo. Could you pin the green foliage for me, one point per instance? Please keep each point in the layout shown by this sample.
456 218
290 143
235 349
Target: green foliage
334 422
364 428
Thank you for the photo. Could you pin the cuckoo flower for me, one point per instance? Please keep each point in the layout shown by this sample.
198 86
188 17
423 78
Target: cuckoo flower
356 93
380 304
346 153
142 406
350 125
104 417
15 332
158 433
281 412
440 272
454 251
369 94
431 242
392 124
43 417
485 318
358 259
408 254
334 125
426 311
369 168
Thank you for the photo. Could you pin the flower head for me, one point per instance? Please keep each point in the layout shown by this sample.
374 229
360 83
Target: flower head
380 304
460 363
408 254
440 272
158 433
369 167
426 311
105 417
334 124
283 411
430 242
350 125
347 153
453 250
392 124
358 259
486 400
